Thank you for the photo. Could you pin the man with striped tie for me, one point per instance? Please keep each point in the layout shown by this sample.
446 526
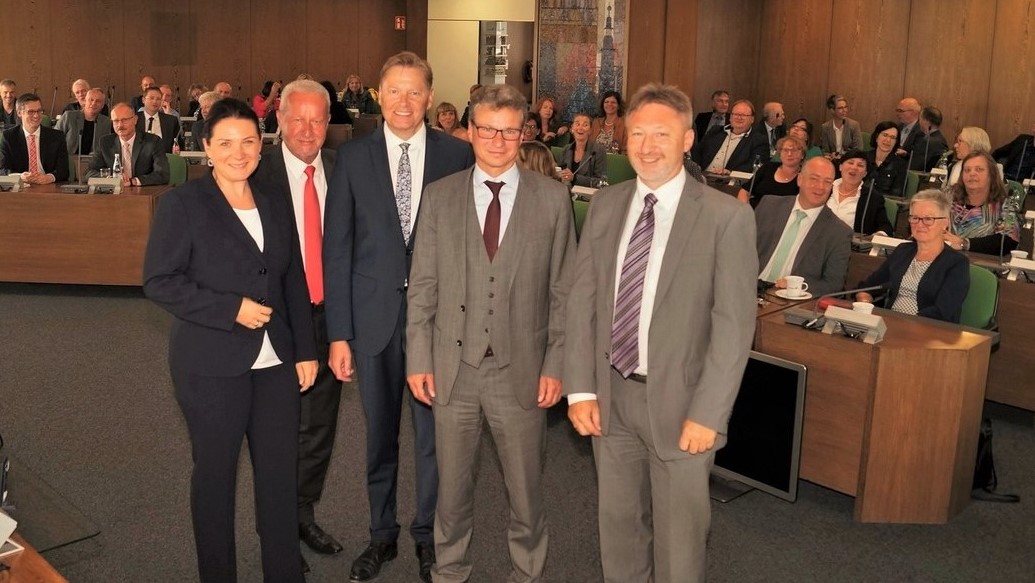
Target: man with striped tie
659 326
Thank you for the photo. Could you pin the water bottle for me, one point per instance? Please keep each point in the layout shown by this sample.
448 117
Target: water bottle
116 166
756 164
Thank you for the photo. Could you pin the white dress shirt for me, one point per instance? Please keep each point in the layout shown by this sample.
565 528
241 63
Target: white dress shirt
156 127
296 180
418 148
844 209
253 224
508 194
803 230
731 142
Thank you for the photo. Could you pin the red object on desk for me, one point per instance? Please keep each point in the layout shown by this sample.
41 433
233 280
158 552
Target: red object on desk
825 303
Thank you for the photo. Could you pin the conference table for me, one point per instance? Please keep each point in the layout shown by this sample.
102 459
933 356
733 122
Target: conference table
47 236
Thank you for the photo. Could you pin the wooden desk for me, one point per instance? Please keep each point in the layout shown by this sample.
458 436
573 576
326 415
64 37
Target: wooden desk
1011 372
894 424
29 566
47 236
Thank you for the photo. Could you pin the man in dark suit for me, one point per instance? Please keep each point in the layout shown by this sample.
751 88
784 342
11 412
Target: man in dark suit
147 164
735 147
137 102
800 235
86 126
772 124
1018 157
908 115
931 144
501 354
154 121
8 97
372 204
719 116
38 153
659 325
285 171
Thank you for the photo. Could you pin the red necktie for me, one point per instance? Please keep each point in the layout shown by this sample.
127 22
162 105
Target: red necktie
34 164
491 232
313 238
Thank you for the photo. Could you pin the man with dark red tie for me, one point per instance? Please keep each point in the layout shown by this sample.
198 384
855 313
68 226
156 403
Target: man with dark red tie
38 153
299 169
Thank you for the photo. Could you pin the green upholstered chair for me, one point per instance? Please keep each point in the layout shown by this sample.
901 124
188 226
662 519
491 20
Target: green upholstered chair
619 169
981 306
177 169
580 207
912 183
558 151
891 207
865 137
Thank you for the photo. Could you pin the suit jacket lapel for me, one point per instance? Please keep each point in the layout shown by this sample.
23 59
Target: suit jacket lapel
221 208
679 237
138 145
609 240
809 242
508 256
383 176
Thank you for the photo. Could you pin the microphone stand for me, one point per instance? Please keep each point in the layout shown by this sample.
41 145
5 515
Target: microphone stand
862 220
1020 161
905 182
53 101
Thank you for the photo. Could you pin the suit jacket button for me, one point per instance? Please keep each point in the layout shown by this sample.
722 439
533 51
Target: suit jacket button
492 295
491 312
492 278
262 271
463 308
459 342
262 301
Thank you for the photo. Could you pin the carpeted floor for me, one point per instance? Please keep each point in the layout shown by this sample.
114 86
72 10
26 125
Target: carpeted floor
86 402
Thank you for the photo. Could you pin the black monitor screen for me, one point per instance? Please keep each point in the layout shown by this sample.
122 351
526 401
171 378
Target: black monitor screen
764 437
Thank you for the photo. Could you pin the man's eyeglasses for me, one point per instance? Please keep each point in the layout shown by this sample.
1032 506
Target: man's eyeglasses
742 115
927 221
487 133
32 111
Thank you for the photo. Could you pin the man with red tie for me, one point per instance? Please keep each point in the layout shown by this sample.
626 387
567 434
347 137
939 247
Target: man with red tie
38 153
299 170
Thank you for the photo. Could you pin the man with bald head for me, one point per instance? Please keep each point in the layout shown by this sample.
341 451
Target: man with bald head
772 124
223 89
800 235
143 159
86 126
908 114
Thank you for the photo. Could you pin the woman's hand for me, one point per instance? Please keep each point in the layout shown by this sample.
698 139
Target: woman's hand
547 136
562 130
306 372
567 175
253 314
954 241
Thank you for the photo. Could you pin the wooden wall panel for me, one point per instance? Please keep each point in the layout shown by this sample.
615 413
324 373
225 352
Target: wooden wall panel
680 48
646 41
331 45
949 57
26 54
794 57
417 27
156 41
1011 91
276 53
868 41
224 46
104 68
727 50
377 37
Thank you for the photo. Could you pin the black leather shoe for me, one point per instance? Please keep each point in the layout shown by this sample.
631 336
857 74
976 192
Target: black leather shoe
315 538
426 558
368 565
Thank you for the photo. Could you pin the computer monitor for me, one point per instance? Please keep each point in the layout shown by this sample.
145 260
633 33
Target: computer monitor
764 438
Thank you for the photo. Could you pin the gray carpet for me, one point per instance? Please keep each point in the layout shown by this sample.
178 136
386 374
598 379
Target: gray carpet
86 403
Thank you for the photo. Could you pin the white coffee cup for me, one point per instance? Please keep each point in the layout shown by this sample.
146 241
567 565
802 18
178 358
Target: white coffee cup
796 285
1018 254
862 307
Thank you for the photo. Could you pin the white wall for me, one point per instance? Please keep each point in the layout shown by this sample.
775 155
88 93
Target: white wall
510 10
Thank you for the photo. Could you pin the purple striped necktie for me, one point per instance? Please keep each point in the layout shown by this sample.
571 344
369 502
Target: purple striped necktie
625 345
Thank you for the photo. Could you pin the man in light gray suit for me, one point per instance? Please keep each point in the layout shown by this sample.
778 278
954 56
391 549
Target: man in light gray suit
660 321
801 236
88 125
485 328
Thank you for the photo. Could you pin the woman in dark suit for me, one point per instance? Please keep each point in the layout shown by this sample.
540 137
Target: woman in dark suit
887 172
924 276
223 258
583 162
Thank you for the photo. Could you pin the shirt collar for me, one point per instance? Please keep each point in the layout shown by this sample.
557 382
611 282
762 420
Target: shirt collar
509 176
417 140
35 133
667 194
296 167
811 213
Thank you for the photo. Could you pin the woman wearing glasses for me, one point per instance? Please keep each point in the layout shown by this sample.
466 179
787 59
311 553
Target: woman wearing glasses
985 219
924 277
779 178
887 171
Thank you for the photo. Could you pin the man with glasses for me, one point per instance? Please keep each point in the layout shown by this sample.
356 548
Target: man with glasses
734 147
908 115
38 153
143 160
485 331
772 124
372 202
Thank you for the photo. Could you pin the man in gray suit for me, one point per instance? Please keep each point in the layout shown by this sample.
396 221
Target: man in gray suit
660 321
88 125
485 328
802 236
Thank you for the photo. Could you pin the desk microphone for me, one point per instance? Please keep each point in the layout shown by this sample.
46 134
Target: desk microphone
53 100
1020 162
815 321
581 164
909 166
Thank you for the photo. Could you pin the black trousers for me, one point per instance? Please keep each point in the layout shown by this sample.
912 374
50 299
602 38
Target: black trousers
382 388
262 404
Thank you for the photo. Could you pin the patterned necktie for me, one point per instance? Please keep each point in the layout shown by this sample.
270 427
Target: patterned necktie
34 164
127 163
625 329
313 237
783 251
403 188
491 232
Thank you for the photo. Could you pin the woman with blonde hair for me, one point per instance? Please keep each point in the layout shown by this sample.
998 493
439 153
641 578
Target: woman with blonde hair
970 139
537 156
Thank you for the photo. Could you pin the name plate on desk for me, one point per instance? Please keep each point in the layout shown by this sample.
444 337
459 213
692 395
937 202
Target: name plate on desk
105 185
870 328
1018 266
11 183
193 157
583 192
881 243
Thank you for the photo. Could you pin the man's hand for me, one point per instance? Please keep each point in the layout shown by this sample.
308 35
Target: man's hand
696 438
422 385
306 372
340 360
549 392
585 417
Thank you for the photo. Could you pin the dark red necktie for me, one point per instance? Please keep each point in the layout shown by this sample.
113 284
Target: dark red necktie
491 232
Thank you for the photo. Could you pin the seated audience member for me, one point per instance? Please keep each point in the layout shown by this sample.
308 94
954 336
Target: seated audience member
970 139
608 129
195 91
776 178
205 102
142 156
930 144
467 110
718 117
887 171
531 130
924 277
9 113
736 146
858 208
79 90
446 118
908 115
153 121
583 162
268 99
224 90
1018 157
550 125
985 219
339 113
772 124
801 236
840 133
536 156
358 97
168 107
802 129
38 153
146 82
86 126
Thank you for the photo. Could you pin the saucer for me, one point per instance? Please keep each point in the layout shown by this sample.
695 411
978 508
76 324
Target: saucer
783 294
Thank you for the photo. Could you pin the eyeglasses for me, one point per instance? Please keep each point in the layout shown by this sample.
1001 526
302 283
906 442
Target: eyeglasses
887 136
790 149
742 115
530 126
902 110
927 221
487 133
32 111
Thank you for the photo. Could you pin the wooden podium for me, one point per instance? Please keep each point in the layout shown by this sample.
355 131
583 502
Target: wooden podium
894 424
